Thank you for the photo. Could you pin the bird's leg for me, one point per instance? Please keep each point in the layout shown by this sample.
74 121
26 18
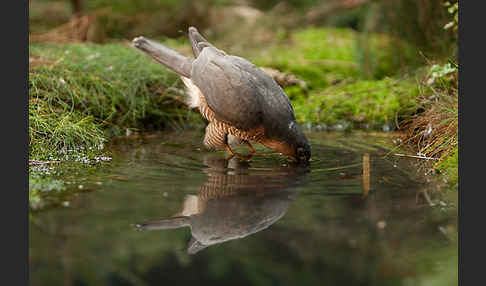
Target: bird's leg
252 150
232 154
227 147
248 156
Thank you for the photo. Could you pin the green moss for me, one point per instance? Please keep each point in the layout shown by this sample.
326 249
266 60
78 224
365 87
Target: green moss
374 102
449 167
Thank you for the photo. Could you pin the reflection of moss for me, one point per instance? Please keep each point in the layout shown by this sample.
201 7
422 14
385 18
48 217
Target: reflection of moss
39 187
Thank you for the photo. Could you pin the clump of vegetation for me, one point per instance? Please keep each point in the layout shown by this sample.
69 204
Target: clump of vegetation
434 131
52 133
83 94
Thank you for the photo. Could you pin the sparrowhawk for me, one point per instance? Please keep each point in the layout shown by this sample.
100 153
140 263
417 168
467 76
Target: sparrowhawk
241 102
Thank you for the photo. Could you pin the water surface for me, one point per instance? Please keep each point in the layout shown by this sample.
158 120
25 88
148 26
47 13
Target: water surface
167 212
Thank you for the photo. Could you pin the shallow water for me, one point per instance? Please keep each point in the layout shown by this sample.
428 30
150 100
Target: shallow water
167 212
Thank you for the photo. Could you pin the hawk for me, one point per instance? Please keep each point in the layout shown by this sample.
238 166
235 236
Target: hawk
242 103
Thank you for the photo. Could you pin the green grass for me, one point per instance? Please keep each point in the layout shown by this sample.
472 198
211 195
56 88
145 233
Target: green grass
53 132
80 90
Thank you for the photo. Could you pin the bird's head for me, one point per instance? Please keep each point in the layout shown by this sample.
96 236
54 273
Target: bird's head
298 142
292 143
302 150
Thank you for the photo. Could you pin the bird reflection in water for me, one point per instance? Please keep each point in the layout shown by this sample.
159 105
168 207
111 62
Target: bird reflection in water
234 202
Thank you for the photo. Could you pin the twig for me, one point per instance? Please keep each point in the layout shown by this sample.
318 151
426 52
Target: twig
366 175
37 162
413 156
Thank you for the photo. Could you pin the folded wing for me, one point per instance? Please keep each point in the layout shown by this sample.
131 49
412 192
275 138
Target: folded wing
238 92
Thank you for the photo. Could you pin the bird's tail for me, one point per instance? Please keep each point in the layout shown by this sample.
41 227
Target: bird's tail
198 43
169 58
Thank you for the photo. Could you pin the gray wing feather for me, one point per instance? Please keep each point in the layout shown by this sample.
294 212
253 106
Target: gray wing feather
238 92
198 42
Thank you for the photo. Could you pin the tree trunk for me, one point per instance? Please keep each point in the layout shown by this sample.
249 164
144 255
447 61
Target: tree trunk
77 7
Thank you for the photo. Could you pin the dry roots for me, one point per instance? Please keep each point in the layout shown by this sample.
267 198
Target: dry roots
435 131
76 30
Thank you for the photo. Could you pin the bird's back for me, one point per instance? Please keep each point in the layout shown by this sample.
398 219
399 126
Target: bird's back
239 93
